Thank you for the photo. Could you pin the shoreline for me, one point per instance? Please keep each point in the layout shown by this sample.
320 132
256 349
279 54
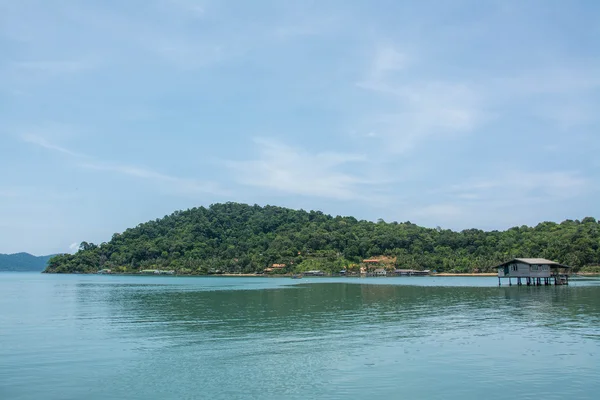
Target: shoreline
252 275
466 274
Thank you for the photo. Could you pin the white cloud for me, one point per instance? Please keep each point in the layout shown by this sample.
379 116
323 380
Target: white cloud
549 80
178 184
565 95
288 169
523 186
420 107
386 62
419 102
505 199
123 36
73 247
427 110
42 142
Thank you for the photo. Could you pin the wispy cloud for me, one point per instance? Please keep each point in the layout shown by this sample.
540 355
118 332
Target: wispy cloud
503 199
567 78
179 184
42 142
419 108
500 201
288 169
421 102
159 32
563 94
73 247
386 61
524 185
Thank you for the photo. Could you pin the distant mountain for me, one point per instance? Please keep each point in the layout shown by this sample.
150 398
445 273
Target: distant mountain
21 262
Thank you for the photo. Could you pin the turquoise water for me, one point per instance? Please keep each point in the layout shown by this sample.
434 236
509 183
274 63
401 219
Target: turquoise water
120 337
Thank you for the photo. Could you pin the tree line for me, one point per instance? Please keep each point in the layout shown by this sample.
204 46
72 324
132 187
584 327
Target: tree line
240 238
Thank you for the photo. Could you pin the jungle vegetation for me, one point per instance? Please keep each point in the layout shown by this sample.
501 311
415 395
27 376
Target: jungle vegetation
240 238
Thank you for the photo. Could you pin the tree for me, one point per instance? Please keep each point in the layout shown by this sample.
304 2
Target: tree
236 237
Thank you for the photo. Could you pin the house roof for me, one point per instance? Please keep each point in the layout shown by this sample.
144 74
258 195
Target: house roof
371 260
534 261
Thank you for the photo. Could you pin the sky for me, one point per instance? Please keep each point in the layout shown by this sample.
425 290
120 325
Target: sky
459 114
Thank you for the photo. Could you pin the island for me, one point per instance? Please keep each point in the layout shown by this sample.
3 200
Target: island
234 238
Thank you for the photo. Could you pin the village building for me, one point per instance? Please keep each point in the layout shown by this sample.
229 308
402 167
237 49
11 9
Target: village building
157 272
411 272
105 271
368 266
314 273
274 267
533 271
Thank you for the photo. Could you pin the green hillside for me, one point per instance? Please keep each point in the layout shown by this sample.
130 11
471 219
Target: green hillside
234 238
21 262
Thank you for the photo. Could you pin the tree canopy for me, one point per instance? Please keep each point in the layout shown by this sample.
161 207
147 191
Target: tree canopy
240 238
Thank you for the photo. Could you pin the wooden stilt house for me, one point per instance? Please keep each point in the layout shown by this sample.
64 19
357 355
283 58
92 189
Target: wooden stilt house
533 271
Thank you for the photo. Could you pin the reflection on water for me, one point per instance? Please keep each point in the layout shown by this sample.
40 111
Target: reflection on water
214 338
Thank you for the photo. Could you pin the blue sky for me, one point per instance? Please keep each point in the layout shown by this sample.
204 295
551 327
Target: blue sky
456 114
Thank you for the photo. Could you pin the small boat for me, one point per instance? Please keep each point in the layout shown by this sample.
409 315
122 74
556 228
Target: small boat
296 276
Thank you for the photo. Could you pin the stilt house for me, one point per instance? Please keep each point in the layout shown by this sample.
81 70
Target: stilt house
533 271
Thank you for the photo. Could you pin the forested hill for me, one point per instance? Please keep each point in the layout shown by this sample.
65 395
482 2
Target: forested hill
23 262
234 237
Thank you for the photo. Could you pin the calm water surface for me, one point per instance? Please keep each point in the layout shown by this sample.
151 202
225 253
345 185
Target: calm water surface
117 337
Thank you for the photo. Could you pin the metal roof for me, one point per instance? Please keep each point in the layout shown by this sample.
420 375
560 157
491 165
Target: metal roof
534 261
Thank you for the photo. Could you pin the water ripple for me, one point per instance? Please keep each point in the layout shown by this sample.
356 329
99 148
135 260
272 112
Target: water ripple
218 338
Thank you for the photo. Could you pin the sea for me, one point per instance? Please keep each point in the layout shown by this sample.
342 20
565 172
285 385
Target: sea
101 337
